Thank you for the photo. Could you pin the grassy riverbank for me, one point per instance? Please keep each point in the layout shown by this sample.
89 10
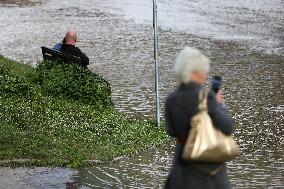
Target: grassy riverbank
46 122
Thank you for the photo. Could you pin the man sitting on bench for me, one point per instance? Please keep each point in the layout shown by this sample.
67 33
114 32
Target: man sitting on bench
69 48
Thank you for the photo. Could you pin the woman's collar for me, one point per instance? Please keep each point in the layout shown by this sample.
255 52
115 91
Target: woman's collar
190 84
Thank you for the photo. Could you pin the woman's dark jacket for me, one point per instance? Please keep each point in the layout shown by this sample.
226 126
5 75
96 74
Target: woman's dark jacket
181 106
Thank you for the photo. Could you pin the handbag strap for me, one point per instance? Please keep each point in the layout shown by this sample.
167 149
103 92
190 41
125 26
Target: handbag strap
203 94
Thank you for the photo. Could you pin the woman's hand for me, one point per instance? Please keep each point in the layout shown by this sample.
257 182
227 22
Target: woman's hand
219 97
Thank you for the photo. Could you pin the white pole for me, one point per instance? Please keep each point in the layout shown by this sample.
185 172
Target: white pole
158 117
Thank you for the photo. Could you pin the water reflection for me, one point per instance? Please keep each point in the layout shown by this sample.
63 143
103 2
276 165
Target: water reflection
145 170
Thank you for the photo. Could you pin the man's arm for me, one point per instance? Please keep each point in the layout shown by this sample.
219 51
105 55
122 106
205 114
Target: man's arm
84 60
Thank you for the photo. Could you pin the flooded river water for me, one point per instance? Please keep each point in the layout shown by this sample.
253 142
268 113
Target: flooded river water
243 38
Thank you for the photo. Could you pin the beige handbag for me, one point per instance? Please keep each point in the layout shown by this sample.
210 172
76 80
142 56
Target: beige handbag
206 143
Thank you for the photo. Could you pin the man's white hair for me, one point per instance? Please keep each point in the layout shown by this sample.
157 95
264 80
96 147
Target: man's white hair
188 61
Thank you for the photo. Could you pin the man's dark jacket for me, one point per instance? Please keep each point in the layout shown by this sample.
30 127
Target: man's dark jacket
75 51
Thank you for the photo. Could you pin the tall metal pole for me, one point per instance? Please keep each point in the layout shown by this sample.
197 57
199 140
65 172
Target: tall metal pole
158 116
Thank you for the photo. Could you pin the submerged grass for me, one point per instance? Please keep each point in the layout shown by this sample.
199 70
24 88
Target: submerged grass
61 130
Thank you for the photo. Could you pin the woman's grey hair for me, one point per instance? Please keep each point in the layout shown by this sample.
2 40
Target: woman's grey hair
188 61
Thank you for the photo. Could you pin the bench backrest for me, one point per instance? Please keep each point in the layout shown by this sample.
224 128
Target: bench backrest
50 54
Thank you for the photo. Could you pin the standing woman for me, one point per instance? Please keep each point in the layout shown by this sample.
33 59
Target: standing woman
191 69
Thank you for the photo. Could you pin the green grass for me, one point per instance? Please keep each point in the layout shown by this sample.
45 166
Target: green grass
61 130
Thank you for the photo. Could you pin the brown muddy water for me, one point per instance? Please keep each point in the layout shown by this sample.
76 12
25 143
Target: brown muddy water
243 38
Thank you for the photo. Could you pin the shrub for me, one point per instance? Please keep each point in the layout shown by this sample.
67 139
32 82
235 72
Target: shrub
13 83
43 119
56 79
11 67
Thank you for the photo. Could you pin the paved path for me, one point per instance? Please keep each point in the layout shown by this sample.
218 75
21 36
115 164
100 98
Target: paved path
14 178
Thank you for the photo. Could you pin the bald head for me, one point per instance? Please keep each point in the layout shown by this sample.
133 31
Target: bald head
71 37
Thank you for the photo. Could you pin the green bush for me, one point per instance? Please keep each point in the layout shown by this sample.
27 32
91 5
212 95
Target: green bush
11 83
72 82
49 115
11 67
4 69
56 79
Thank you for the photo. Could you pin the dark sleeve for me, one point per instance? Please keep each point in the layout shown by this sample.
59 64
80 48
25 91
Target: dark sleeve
220 118
84 60
168 119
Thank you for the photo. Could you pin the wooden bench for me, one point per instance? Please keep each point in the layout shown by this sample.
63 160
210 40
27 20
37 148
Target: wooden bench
50 54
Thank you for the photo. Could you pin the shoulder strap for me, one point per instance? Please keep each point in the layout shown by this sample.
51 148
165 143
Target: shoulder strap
203 94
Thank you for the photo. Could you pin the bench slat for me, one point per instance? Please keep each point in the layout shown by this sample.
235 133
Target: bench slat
50 54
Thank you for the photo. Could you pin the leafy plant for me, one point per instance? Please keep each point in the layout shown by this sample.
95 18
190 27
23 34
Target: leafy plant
72 82
57 79
48 118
